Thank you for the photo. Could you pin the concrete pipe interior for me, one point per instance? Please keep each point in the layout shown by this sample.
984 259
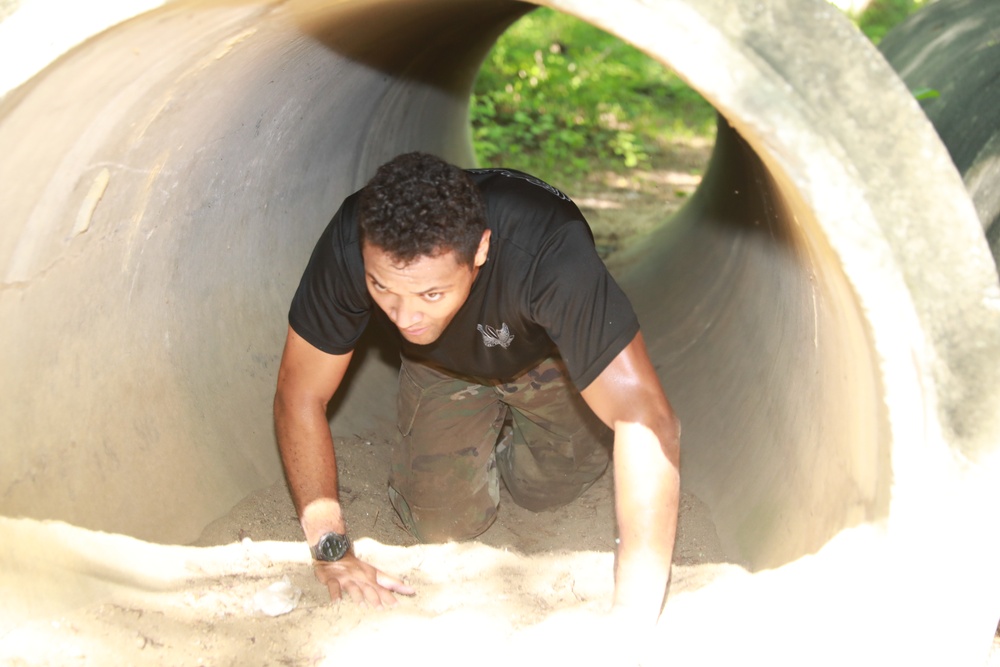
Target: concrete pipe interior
831 350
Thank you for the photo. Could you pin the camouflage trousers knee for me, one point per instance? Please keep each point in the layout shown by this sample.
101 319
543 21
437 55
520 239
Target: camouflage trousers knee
460 437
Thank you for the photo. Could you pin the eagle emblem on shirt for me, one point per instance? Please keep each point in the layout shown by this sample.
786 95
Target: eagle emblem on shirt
493 337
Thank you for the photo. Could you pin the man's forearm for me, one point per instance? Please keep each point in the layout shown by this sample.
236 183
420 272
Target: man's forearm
647 492
310 464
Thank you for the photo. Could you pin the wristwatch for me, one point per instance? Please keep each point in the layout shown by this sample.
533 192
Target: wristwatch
331 547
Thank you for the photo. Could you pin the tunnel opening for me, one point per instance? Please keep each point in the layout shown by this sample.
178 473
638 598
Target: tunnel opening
749 297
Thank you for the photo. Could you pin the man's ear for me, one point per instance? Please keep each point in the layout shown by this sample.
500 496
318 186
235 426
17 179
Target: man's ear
483 251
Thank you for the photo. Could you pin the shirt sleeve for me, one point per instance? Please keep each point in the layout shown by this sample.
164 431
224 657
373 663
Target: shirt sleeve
582 308
331 306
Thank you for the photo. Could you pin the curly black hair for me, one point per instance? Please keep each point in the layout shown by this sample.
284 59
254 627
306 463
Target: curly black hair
418 205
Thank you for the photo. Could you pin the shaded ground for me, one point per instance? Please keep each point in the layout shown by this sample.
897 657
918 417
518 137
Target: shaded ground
585 525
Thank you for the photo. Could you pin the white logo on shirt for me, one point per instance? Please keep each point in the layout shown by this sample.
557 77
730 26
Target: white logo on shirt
492 337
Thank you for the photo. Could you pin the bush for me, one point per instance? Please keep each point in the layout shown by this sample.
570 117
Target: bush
557 95
881 15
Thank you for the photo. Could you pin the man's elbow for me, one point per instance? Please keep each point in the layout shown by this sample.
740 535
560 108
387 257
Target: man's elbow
667 427
671 442
289 402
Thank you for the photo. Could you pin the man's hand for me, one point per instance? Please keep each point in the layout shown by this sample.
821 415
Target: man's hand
307 380
362 582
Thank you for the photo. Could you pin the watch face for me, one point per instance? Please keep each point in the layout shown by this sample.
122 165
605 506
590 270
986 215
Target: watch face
332 547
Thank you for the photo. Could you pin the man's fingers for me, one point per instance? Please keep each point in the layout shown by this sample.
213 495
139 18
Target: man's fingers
372 595
360 582
354 591
334 587
388 599
375 596
394 584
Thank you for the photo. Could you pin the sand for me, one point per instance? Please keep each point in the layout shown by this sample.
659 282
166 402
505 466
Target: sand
530 584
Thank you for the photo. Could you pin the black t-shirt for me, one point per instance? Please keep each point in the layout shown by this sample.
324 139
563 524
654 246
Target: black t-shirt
542 289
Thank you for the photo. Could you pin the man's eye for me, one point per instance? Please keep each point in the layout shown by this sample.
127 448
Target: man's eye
433 296
377 287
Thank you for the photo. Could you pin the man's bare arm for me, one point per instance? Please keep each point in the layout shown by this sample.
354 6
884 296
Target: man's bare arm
628 397
307 380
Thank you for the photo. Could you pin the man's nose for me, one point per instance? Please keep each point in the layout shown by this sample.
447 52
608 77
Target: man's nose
406 314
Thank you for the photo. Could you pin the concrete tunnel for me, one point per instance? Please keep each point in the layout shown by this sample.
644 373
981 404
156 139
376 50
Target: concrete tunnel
823 313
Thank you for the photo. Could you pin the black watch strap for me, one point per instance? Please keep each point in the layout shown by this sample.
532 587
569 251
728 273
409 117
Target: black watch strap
331 547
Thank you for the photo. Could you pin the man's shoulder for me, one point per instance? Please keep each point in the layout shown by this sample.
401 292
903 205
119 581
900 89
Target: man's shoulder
506 179
527 214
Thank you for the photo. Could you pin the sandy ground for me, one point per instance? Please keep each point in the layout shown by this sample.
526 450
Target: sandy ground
530 584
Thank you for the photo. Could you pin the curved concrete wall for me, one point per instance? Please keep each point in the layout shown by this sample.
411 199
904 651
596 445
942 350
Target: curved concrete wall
830 346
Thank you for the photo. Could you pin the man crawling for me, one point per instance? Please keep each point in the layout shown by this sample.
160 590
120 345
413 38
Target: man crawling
521 360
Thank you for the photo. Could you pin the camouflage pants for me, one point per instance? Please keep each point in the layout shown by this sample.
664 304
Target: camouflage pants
459 437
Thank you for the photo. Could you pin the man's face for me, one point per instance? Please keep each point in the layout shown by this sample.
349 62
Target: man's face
422 297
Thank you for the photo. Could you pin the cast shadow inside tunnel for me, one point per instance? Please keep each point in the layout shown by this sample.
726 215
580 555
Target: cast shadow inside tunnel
440 44
377 346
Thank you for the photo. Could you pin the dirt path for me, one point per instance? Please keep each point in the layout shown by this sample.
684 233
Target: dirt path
622 206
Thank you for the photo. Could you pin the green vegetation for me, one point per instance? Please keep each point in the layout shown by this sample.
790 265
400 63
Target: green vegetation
557 95
881 15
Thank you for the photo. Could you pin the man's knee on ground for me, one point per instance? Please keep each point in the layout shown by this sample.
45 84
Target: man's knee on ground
539 498
433 525
540 484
